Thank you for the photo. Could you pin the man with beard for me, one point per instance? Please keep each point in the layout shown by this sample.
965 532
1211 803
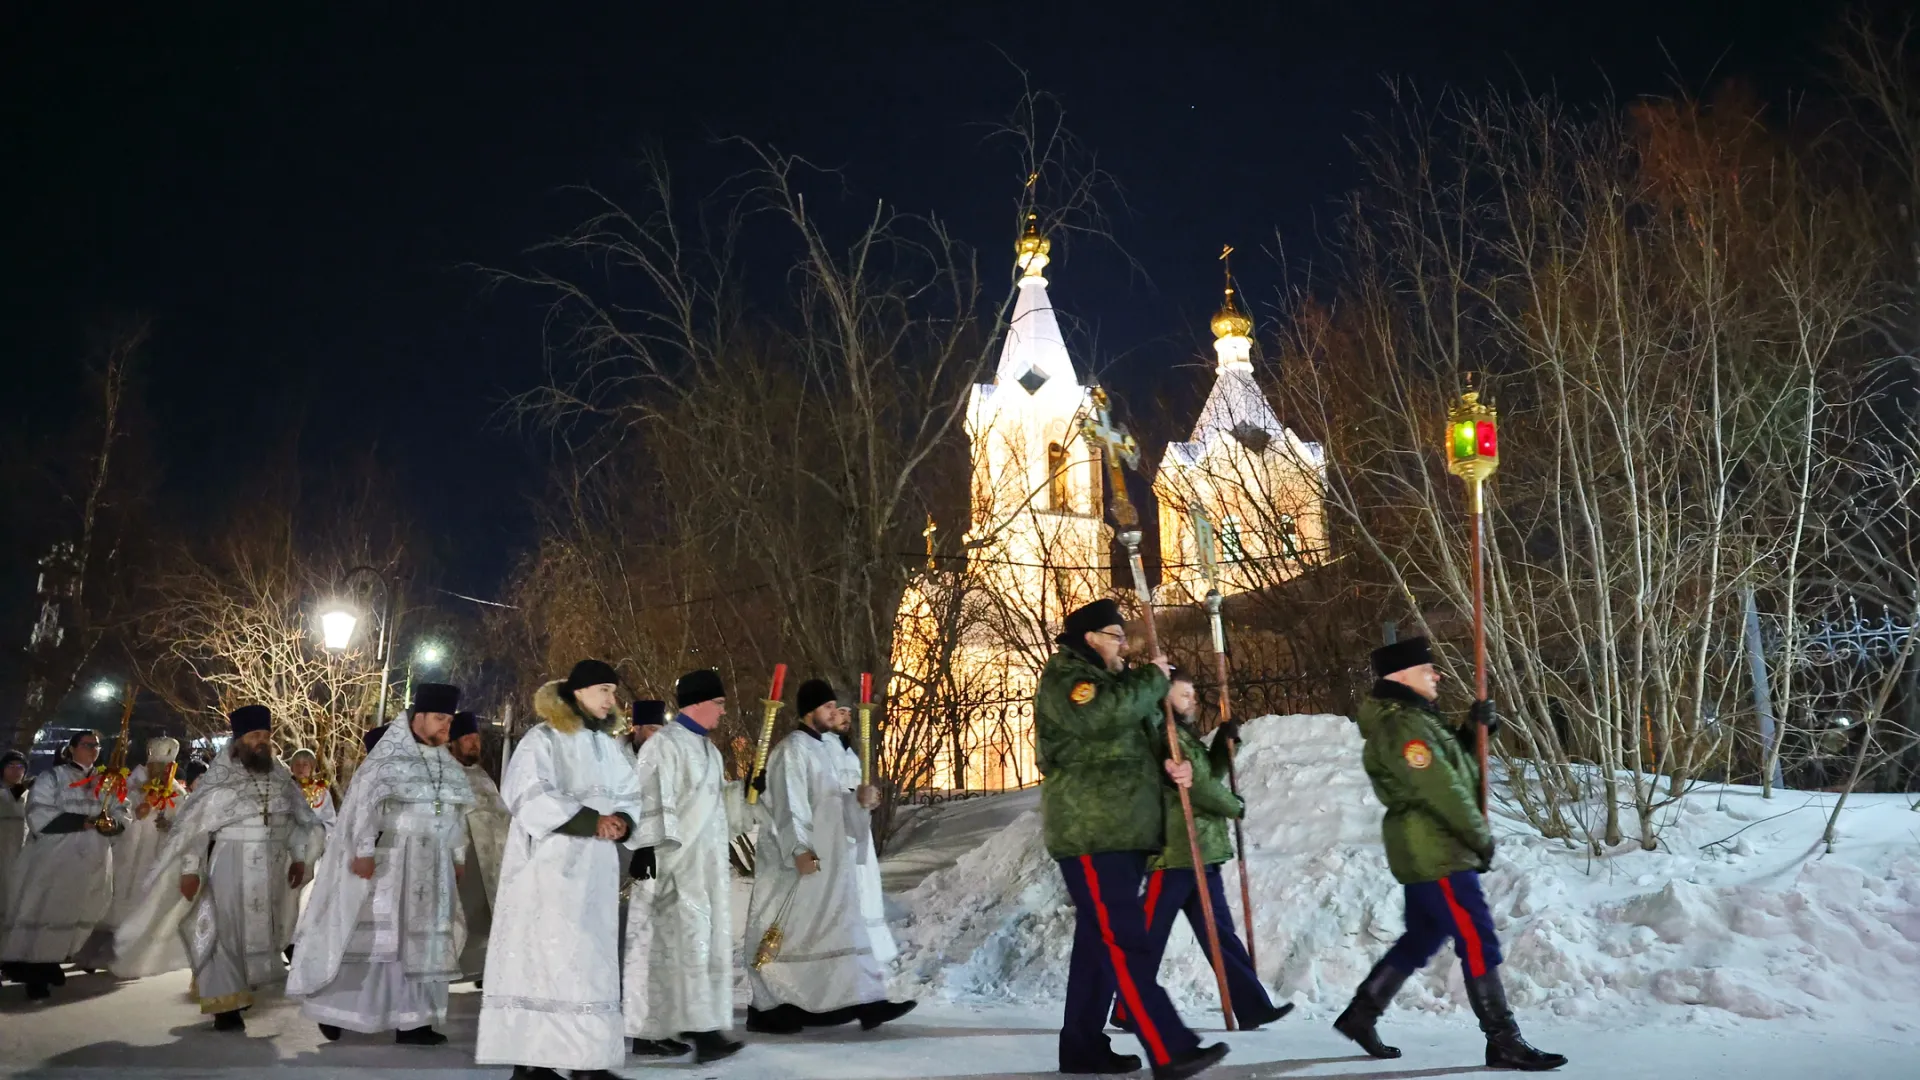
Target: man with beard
486 840
380 939
552 997
154 796
63 877
13 821
239 847
814 834
684 828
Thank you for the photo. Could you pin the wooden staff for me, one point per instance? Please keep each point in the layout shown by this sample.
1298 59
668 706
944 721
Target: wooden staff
1116 444
1473 454
1203 539
771 712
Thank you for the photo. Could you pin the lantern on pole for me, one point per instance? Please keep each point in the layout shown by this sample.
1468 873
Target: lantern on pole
1473 455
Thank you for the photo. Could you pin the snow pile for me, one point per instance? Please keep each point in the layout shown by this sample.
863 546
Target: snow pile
1762 926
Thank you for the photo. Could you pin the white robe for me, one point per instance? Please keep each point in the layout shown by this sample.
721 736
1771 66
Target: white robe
826 959
873 903
684 817
377 955
486 842
13 833
62 882
324 811
134 849
552 996
238 832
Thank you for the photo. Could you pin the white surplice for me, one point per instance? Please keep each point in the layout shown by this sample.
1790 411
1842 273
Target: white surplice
377 955
486 844
826 959
13 833
688 964
238 832
873 904
134 850
62 881
552 996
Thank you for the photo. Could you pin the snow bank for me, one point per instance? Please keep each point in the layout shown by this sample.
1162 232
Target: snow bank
1764 926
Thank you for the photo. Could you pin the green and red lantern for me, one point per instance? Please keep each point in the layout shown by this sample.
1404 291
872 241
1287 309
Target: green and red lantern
1473 455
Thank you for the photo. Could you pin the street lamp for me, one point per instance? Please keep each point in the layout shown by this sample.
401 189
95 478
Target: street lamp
336 627
103 691
338 622
430 654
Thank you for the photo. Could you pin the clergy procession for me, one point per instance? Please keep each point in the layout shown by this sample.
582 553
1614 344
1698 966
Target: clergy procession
588 896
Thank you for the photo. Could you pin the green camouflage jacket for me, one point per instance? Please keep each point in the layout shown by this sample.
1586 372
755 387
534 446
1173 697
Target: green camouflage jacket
1430 784
1094 736
1214 805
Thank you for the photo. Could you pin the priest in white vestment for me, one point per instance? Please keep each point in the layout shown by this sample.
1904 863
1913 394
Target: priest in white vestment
380 940
153 797
486 844
649 720
62 885
814 834
684 829
551 997
215 897
13 821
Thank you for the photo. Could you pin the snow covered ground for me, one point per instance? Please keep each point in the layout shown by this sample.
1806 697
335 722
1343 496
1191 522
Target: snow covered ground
1759 956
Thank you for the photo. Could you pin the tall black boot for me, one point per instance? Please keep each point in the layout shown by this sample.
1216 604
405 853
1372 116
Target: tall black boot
1505 1048
1375 992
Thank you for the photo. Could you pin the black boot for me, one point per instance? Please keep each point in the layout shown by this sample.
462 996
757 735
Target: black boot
229 1021
1252 1018
38 991
330 1032
595 1074
536 1072
779 1020
660 1047
420 1036
1368 1003
1200 1059
875 1013
1505 1048
711 1046
1111 1065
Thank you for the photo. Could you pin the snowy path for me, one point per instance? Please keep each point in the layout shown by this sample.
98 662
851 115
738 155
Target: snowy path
145 1029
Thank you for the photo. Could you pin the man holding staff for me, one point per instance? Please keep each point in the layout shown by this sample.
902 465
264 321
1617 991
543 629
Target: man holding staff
1101 751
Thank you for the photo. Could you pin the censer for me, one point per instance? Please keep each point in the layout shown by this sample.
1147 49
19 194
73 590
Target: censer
771 941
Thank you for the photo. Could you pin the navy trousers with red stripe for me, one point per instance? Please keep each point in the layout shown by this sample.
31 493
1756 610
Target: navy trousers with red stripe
1452 907
1112 952
1170 893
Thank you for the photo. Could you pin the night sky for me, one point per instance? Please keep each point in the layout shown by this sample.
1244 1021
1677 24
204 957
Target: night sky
291 191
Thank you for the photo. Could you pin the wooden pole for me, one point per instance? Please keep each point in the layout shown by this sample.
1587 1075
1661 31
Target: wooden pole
1233 772
1480 631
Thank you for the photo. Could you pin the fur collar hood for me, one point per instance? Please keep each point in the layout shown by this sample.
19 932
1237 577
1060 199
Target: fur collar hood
560 715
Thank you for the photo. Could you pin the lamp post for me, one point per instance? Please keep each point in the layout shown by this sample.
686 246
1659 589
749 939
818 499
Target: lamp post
338 621
1473 454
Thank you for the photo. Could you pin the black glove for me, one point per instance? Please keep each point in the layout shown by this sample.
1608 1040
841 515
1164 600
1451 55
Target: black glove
760 781
642 868
1484 714
1229 731
1486 857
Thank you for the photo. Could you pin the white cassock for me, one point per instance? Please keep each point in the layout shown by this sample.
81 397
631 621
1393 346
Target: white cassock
873 903
238 832
552 994
378 955
320 800
63 877
486 844
134 850
13 833
636 943
688 962
826 959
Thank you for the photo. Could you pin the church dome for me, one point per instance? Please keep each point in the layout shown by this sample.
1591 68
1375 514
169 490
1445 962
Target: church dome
1229 321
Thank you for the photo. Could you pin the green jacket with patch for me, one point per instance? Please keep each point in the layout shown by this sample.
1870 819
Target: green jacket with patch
1429 782
1214 805
1093 733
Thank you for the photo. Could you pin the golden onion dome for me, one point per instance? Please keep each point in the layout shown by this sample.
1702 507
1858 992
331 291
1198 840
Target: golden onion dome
1229 321
1030 253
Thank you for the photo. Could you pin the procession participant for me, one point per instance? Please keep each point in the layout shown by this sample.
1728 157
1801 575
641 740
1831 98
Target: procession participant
1438 843
683 834
240 846
648 719
486 841
1171 885
63 876
552 997
13 821
380 939
191 772
814 831
154 795
305 766
1101 751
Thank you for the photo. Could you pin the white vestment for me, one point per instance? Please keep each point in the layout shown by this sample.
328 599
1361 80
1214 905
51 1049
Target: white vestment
486 842
552 994
320 800
873 903
62 881
826 960
13 833
376 955
134 849
238 832
684 817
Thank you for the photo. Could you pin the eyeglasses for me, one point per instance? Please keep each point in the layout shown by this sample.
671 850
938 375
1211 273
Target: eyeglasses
1117 635
86 746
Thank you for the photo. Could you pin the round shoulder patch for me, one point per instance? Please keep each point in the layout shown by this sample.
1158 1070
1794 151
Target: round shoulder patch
1082 692
1418 754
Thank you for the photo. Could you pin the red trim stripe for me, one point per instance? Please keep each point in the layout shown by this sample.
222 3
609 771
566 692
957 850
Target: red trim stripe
1128 992
1476 956
1153 894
